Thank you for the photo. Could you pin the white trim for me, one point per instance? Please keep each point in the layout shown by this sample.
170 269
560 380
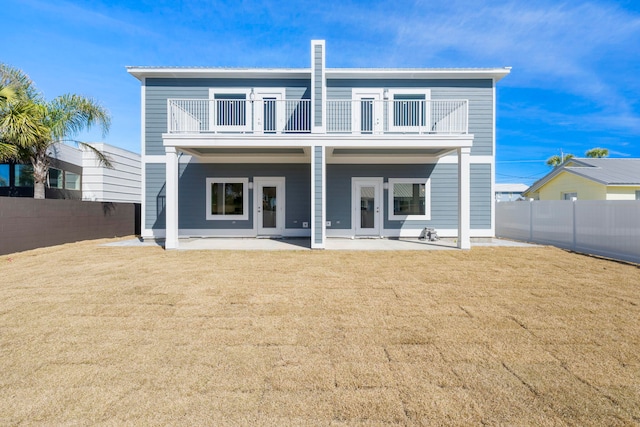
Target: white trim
324 193
143 166
171 200
153 159
464 198
323 212
453 159
308 140
150 233
306 232
410 232
280 183
141 72
238 233
391 109
322 127
377 183
493 163
427 199
245 199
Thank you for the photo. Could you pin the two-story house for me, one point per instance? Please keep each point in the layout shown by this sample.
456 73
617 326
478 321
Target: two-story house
317 152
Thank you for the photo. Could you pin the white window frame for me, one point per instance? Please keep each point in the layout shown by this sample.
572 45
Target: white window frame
427 199
409 91
572 195
245 199
78 181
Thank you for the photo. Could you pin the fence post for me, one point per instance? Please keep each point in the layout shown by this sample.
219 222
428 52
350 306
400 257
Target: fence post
573 246
531 220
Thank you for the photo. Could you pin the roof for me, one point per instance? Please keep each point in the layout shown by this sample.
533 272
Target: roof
610 172
141 72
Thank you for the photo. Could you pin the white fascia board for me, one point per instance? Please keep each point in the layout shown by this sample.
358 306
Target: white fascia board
309 140
205 72
418 73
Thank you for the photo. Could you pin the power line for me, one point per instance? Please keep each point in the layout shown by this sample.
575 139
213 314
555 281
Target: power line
521 161
520 177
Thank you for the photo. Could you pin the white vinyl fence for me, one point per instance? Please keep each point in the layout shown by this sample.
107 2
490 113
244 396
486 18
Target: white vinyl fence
608 228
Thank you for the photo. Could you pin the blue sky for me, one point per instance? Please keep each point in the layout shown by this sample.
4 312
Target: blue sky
575 82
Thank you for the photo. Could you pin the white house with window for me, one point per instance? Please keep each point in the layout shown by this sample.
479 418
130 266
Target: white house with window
76 173
317 152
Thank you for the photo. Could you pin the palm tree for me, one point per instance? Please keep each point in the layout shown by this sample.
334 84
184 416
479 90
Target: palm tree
597 152
556 160
29 125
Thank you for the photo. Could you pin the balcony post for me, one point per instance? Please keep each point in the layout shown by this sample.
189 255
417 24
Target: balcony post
464 198
318 197
171 200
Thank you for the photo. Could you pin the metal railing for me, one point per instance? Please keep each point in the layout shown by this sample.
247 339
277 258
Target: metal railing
364 116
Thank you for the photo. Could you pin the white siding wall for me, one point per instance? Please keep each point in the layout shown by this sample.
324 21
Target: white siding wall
120 184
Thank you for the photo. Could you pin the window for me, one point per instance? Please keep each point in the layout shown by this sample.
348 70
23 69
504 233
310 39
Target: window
71 181
55 178
409 199
409 110
4 175
637 195
227 198
24 176
570 196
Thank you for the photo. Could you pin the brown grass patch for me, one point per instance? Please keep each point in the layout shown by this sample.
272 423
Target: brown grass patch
511 336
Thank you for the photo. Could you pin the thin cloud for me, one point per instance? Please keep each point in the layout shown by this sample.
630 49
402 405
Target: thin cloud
67 11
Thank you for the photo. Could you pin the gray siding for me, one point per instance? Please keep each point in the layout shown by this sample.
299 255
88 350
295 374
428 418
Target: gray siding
319 220
478 92
481 197
444 194
155 196
159 90
318 76
192 193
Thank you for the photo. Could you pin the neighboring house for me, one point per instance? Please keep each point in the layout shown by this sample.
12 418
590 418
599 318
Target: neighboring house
317 152
76 174
589 179
120 183
509 192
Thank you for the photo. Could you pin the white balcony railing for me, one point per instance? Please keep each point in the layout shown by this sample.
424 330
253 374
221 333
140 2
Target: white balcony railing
294 116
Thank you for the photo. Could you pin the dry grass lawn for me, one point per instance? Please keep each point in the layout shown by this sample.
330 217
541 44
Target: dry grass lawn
93 335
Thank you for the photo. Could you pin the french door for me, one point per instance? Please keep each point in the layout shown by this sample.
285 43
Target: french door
367 213
269 205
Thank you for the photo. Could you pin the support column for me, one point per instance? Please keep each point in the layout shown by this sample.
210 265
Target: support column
171 199
318 197
464 198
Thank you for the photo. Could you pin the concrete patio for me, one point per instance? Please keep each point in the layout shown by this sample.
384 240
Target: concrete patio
248 244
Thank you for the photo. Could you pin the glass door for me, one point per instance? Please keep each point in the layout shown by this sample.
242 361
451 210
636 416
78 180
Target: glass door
367 111
367 199
269 205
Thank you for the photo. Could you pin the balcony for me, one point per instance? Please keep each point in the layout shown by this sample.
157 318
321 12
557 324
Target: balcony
343 117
